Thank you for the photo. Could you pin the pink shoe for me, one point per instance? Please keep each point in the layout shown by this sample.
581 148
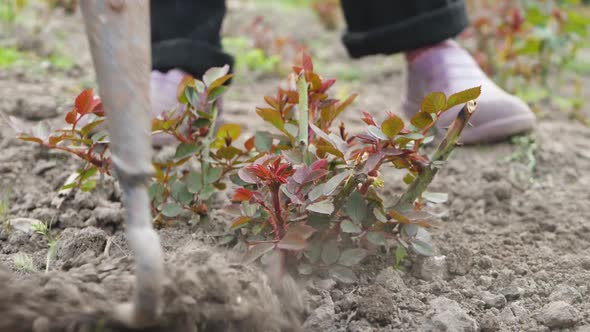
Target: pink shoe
163 88
449 68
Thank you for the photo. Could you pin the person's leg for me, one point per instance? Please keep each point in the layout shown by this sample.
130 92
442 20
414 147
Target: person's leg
423 29
185 40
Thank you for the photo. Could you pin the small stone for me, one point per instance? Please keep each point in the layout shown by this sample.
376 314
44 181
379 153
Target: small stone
559 314
391 279
511 293
485 262
507 317
431 268
75 242
566 294
489 322
493 300
447 315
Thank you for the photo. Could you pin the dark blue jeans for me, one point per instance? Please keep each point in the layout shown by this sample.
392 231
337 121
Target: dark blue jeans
186 33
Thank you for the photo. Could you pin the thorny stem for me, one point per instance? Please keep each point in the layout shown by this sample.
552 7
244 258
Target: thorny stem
303 113
442 153
276 204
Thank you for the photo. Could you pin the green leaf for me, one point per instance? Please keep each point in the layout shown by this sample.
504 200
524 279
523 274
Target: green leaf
216 93
352 257
155 192
377 133
292 241
463 97
392 126
271 116
207 192
213 174
322 207
328 187
256 251
194 182
357 208
342 274
88 185
185 149
377 238
348 227
313 252
400 254
422 242
436 198
263 141
171 210
192 96
330 253
421 120
409 178
180 192
380 215
230 130
434 102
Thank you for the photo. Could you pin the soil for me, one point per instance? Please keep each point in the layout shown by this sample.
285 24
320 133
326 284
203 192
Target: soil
512 243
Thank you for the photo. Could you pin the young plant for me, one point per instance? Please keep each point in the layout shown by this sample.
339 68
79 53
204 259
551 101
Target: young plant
312 194
174 189
24 263
45 230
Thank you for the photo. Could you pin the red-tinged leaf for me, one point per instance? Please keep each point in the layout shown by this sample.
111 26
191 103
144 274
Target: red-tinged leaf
272 102
219 82
292 97
463 97
306 62
87 129
368 119
30 139
240 221
422 119
321 207
329 148
399 217
434 102
271 116
315 82
257 250
84 101
319 164
315 175
249 144
229 130
392 126
71 116
301 228
97 107
292 241
184 83
297 70
373 162
53 140
242 194
326 85
247 175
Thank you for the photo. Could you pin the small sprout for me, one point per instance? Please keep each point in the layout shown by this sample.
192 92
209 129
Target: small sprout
24 263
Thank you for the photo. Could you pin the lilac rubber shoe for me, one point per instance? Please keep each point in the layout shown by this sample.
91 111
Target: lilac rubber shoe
163 88
450 69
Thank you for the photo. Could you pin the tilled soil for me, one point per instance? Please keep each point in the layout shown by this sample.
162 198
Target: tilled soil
512 243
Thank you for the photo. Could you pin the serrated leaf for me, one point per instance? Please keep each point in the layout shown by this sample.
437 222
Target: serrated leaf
171 210
463 97
256 251
348 227
322 207
329 186
357 208
352 257
185 150
436 198
342 274
377 133
392 126
434 102
377 238
330 253
421 120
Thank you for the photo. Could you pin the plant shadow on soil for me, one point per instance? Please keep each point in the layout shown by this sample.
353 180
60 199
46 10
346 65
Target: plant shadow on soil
512 241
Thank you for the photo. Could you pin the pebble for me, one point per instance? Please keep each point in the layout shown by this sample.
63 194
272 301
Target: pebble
447 315
511 293
559 314
489 322
566 294
391 279
493 300
431 268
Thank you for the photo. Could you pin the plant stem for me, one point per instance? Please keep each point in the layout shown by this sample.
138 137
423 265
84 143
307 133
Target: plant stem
207 143
348 189
303 113
442 153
